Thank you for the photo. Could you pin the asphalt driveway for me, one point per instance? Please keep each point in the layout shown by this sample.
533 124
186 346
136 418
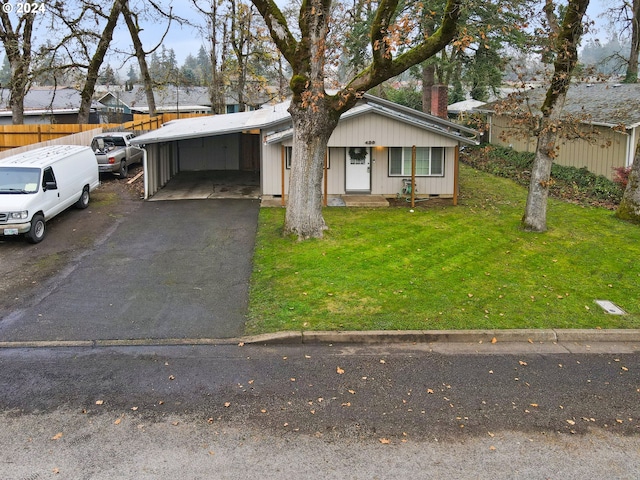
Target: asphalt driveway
168 270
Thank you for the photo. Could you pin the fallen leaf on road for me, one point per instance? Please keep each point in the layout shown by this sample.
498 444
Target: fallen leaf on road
57 436
339 371
99 402
227 404
571 422
118 421
385 441
494 340
429 390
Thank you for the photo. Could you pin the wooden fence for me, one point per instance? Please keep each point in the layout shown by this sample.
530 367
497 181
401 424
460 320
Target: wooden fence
16 136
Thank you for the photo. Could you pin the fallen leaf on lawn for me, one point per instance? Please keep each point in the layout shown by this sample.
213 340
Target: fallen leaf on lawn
385 441
470 295
57 436
339 371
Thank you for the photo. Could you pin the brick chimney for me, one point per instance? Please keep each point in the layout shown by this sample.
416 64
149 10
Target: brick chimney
439 100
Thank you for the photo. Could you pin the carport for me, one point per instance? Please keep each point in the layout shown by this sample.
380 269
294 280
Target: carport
210 153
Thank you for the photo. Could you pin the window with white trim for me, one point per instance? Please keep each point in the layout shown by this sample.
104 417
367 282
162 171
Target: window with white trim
429 161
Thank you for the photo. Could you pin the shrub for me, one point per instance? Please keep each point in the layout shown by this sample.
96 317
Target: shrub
621 176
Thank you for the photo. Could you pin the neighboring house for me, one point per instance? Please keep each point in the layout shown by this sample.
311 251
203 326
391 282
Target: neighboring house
369 152
46 105
169 99
609 113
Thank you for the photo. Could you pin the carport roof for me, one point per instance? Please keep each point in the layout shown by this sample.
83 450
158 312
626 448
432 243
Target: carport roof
216 124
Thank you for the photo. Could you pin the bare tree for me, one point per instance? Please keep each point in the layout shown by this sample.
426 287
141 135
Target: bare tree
314 112
565 46
17 42
97 59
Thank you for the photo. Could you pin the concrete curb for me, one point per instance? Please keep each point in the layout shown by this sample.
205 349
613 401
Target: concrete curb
378 337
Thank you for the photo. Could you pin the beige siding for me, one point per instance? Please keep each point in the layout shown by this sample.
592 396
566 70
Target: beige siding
384 131
359 132
608 151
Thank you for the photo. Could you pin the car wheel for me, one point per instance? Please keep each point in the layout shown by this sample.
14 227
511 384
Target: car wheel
83 201
124 170
38 229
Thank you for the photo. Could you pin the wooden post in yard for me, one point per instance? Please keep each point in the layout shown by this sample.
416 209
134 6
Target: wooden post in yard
283 155
456 173
413 176
326 161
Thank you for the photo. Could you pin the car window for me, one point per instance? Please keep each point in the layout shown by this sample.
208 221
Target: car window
48 176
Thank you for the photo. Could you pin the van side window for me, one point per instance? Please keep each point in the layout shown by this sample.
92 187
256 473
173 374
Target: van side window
48 176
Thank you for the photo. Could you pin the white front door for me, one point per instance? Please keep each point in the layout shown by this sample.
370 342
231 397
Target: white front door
358 169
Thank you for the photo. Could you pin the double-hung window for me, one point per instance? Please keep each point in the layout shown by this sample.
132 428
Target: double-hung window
429 161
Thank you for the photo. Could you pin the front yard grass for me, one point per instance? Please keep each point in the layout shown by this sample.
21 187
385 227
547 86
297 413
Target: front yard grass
445 267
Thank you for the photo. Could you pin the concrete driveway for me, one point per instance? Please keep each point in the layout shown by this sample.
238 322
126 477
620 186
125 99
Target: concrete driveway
169 270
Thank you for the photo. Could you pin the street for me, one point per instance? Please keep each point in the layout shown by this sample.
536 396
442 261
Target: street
341 411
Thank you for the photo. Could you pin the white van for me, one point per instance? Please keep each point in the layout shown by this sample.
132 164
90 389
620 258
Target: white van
37 185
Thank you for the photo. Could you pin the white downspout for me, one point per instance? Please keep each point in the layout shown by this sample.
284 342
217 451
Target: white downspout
144 173
631 147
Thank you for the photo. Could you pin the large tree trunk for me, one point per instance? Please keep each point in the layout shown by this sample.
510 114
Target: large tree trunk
629 208
96 61
142 58
304 205
566 48
535 217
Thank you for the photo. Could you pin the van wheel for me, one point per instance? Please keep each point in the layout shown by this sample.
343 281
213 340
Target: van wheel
38 229
83 201
124 170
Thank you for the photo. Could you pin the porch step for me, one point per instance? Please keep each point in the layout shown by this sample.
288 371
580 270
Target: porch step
365 201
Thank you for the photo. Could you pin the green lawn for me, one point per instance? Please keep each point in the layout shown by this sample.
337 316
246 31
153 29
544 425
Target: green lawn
463 267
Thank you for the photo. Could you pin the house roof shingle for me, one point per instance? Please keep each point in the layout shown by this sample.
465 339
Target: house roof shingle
605 104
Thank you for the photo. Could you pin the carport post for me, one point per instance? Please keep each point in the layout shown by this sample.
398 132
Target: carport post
283 161
326 161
